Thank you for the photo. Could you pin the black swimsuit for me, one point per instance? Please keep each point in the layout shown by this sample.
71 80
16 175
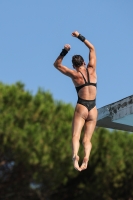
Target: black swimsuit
89 104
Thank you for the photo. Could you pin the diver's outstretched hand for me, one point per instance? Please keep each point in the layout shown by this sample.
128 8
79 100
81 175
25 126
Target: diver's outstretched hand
75 34
67 47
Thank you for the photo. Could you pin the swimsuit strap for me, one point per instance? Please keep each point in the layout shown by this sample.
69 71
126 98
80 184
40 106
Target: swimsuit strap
88 75
83 77
86 83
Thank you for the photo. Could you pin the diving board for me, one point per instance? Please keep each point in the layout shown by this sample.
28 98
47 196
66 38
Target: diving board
117 115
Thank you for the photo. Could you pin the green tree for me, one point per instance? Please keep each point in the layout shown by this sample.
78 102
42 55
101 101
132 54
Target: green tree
35 133
109 175
35 147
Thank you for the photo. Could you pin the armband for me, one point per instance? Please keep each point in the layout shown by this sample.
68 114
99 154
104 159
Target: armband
81 37
64 52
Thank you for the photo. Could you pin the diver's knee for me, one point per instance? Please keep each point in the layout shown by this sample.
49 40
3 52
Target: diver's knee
87 142
75 137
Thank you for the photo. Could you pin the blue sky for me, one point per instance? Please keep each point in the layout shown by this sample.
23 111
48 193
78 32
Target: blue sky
33 33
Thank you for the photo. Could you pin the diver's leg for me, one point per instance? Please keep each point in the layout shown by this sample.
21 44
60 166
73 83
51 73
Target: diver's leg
89 127
80 114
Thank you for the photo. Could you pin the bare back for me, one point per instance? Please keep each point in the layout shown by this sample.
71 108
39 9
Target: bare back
87 92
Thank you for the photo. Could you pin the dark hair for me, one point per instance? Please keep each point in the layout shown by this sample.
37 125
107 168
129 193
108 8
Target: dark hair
77 60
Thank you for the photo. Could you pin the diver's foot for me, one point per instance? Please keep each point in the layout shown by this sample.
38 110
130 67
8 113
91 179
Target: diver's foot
84 164
75 160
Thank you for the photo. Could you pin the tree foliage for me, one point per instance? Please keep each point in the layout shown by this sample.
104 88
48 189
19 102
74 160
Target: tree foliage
35 150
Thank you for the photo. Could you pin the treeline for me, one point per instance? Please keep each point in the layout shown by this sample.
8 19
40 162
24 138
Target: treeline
35 152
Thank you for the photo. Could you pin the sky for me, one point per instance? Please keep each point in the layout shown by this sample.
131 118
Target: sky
33 33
